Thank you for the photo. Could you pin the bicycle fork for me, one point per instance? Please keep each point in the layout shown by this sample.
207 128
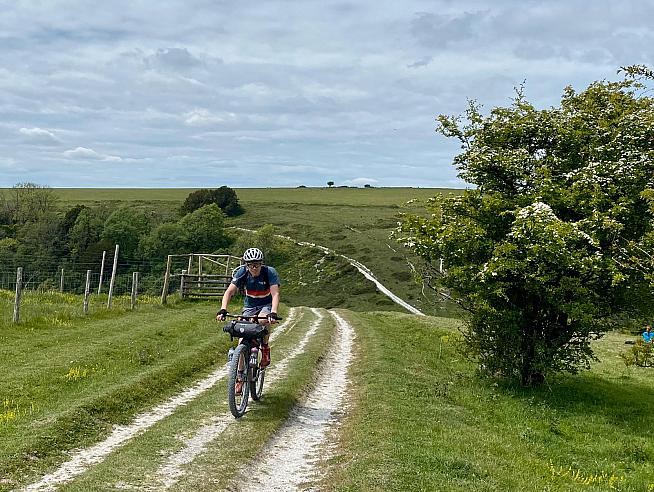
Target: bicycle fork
254 361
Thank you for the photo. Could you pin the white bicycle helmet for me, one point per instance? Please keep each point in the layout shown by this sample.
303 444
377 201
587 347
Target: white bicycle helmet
253 254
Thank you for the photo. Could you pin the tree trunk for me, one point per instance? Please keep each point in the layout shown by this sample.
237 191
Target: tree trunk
529 376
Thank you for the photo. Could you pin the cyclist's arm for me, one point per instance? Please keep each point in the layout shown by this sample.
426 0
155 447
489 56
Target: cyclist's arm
274 291
227 296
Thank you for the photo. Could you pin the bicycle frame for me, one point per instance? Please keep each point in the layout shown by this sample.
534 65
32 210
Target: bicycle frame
251 374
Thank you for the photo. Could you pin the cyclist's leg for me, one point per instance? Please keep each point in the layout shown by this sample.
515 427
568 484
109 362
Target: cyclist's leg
259 311
245 314
250 312
265 311
265 349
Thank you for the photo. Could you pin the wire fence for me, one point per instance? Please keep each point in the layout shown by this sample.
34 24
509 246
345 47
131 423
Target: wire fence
75 282
40 274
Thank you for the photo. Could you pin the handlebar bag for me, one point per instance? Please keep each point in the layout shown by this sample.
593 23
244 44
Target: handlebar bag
245 329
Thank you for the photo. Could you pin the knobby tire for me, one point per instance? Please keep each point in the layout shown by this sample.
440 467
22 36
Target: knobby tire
256 384
238 403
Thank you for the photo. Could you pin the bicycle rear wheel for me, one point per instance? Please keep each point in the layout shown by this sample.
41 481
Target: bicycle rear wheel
238 403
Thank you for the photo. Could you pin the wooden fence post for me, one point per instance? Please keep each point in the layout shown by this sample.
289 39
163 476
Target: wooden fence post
181 284
104 253
19 290
135 284
113 278
87 291
164 292
61 282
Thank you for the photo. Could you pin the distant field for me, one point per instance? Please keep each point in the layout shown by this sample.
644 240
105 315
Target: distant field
318 196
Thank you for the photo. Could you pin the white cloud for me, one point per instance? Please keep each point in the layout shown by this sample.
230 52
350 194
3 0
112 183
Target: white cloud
90 154
39 136
7 163
360 182
203 117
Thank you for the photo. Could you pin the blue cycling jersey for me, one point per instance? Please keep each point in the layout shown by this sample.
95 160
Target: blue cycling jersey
256 289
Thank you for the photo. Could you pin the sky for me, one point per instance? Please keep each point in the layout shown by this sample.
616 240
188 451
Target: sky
282 93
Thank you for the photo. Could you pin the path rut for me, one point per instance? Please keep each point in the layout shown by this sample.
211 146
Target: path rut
288 461
85 458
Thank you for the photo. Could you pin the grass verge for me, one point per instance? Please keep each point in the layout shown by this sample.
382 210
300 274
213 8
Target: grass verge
422 420
66 384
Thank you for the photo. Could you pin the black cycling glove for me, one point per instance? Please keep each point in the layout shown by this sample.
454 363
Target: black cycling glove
222 314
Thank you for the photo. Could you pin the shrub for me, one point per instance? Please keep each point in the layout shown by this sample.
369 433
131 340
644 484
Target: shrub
557 236
225 197
640 354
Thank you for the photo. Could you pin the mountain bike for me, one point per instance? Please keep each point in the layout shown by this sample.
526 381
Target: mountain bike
245 362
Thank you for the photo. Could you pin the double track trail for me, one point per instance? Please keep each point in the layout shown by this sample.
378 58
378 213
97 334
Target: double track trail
190 441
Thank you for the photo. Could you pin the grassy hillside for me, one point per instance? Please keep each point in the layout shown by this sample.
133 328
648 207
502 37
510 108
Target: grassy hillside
316 196
355 222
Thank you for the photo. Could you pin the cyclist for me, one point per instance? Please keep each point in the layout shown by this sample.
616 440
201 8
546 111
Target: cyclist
260 284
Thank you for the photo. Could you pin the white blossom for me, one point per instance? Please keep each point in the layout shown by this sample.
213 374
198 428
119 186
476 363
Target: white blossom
537 209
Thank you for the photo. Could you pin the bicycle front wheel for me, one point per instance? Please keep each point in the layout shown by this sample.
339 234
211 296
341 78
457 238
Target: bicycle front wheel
238 402
256 382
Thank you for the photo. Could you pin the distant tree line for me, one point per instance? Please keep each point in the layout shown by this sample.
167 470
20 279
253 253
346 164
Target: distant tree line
36 231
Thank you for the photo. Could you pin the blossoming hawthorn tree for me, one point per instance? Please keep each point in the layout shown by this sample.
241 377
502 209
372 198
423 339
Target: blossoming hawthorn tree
558 234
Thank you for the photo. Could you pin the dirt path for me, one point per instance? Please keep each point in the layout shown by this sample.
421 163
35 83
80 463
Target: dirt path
289 458
83 459
364 270
287 461
171 471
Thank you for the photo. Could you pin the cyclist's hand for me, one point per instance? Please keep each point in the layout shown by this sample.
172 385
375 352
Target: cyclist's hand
272 318
221 315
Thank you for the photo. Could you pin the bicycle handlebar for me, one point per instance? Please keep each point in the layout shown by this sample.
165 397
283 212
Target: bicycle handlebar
249 317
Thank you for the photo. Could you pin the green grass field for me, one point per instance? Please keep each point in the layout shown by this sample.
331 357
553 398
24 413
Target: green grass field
67 377
421 419
67 383
138 462
417 415
319 196
353 222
